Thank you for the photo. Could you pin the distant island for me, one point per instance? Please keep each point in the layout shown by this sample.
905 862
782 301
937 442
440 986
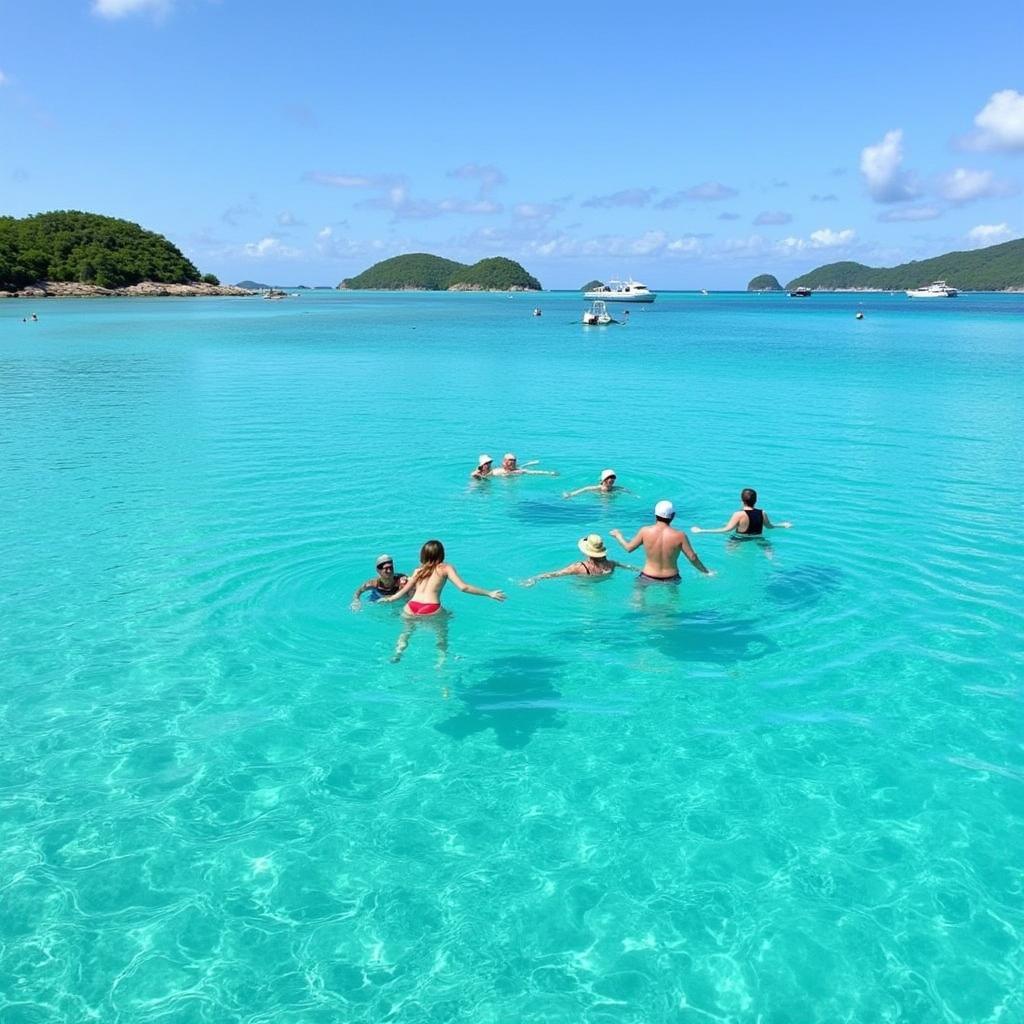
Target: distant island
592 286
67 252
996 268
764 283
420 271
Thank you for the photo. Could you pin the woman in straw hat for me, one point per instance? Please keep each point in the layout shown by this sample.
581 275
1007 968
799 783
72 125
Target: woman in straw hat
597 563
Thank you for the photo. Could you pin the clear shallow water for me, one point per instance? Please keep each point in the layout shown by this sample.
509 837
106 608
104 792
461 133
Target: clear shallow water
790 793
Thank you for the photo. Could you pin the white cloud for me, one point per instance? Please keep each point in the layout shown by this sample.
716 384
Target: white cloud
963 185
3 79
989 234
1000 123
826 238
536 211
881 166
773 217
488 175
909 213
287 219
687 246
270 246
626 197
121 8
706 192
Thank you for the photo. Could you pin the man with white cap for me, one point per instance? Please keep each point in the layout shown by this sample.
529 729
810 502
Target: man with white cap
606 486
510 467
483 468
662 547
384 584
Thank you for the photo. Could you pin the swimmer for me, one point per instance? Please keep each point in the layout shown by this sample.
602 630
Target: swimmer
426 584
510 467
662 547
748 521
483 468
597 562
606 486
385 583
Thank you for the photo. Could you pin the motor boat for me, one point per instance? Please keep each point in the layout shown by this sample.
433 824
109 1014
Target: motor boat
622 291
936 290
597 315
800 293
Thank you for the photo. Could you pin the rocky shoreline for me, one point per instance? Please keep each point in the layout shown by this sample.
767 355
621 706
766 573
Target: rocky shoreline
152 289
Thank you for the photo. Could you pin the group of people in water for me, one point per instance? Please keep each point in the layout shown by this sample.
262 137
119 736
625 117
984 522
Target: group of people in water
662 543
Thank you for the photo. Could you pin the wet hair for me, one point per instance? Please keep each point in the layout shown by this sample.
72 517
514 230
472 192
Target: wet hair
662 519
431 556
748 496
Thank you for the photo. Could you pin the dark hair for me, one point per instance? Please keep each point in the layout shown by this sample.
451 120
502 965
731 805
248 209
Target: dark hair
748 496
431 556
662 519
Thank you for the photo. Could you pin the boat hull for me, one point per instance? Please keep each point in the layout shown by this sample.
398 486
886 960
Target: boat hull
621 296
913 293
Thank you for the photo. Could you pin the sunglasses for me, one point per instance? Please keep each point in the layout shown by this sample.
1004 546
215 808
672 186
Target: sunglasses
386 565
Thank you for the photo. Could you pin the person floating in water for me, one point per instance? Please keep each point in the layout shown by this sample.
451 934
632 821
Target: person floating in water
483 468
662 547
597 562
510 467
426 584
385 583
606 486
748 521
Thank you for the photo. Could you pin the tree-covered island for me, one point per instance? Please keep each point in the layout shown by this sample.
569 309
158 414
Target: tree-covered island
67 252
995 268
764 283
420 271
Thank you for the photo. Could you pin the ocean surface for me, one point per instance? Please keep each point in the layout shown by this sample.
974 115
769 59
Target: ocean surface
789 793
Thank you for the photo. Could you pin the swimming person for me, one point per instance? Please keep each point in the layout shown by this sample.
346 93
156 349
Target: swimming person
483 468
384 584
607 485
510 467
426 584
748 521
597 562
662 547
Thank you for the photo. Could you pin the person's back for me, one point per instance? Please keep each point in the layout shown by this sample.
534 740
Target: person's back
428 587
662 546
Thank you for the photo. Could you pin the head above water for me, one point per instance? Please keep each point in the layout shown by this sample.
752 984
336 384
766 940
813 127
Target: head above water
748 496
432 553
593 546
509 460
664 511
385 563
608 477
484 462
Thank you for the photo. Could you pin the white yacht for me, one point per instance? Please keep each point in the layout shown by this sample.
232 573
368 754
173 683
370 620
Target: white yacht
622 291
936 290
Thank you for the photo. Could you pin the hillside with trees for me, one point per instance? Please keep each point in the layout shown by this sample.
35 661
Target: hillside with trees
421 271
994 268
67 245
764 283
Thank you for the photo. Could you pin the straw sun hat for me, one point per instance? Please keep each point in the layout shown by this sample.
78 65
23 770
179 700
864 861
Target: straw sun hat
593 546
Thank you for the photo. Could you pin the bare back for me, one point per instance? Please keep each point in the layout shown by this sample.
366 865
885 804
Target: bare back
428 588
662 547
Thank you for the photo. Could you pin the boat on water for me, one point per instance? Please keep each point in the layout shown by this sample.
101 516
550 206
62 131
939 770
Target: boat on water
800 293
622 291
936 290
597 315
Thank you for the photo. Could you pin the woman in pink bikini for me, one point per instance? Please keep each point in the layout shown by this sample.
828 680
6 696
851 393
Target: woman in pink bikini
426 584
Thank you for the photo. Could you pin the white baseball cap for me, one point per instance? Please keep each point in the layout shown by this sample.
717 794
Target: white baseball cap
605 473
664 510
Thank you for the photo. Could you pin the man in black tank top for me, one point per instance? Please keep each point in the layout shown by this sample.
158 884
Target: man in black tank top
749 521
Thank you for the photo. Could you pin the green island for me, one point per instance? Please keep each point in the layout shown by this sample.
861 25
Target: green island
995 268
764 283
420 271
70 252
592 286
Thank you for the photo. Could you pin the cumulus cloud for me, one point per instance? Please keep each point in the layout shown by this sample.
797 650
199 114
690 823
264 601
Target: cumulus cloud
999 124
882 168
626 197
963 186
706 192
823 238
122 8
989 234
773 217
909 213
270 246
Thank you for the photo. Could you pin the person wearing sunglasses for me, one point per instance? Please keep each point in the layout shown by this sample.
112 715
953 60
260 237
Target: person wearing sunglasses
384 584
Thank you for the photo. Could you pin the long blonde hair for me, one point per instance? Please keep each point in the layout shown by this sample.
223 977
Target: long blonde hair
431 556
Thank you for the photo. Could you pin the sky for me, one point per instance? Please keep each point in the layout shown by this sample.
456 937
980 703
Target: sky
687 145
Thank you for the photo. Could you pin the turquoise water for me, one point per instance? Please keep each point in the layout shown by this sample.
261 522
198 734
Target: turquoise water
793 792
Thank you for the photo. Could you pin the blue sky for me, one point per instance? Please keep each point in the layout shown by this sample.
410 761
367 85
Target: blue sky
687 145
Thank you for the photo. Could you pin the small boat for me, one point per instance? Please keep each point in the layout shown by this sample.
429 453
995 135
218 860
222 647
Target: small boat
703 291
597 315
275 293
537 311
800 293
936 290
622 291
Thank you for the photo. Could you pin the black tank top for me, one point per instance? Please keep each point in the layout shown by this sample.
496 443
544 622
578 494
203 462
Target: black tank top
755 522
